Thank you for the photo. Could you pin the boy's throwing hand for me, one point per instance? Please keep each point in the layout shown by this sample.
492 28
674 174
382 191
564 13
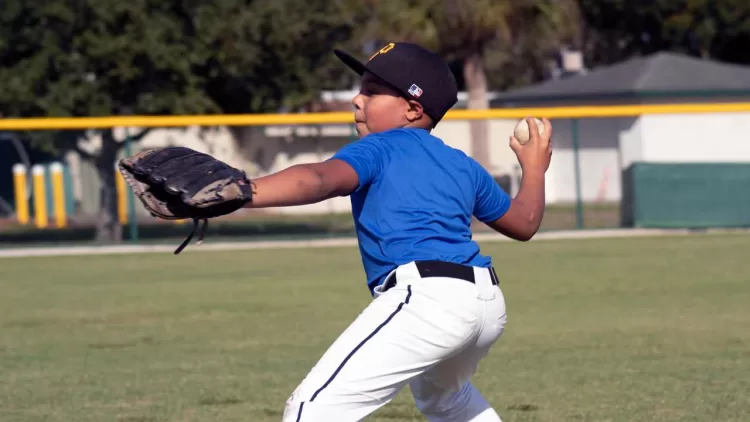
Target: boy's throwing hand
537 153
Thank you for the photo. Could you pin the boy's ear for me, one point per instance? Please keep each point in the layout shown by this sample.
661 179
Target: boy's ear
415 112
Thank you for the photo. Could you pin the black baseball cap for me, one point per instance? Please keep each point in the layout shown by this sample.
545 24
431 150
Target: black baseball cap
416 72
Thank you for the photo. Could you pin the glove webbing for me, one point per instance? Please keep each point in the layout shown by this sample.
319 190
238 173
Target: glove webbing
185 242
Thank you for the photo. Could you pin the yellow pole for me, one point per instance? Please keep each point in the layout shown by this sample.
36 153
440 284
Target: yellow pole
58 194
40 197
122 199
21 194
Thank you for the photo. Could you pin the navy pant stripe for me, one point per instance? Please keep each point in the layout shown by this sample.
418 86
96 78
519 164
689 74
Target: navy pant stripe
299 414
341 366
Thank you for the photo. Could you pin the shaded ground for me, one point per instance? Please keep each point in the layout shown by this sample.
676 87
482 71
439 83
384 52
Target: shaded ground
265 226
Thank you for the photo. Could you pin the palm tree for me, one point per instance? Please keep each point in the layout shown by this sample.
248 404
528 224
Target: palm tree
466 30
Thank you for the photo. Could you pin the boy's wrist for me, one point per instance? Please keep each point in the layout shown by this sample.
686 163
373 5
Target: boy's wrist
532 171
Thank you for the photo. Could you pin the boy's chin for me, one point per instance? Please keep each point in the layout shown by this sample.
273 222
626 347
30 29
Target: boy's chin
362 130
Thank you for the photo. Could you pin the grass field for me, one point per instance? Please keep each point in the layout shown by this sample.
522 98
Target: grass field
647 329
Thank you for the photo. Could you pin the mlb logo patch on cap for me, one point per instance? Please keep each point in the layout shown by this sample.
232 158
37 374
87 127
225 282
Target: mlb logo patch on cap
415 91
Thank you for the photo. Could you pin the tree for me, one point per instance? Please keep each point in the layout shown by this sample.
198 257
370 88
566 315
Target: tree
107 57
518 34
88 59
616 30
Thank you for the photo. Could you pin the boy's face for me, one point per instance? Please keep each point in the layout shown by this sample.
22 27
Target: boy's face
378 107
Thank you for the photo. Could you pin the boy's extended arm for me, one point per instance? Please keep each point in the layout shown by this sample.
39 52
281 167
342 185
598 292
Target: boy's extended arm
304 184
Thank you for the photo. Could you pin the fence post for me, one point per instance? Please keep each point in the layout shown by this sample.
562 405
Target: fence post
21 193
70 205
122 198
40 196
577 170
58 194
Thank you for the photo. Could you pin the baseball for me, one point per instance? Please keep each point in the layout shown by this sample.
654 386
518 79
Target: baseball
521 131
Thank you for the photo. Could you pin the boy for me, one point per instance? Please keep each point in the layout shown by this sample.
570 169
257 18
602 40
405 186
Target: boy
437 306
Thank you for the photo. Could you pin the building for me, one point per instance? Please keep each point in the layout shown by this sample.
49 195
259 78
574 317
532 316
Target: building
262 150
607 146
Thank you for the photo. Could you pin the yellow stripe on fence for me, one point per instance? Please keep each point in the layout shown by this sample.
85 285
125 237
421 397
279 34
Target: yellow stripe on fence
347 117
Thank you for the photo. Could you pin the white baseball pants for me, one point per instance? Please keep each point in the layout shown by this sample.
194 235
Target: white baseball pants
428 333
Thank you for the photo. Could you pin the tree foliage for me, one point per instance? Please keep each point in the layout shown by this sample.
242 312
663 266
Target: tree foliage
516 38
617 29
497 43
108 57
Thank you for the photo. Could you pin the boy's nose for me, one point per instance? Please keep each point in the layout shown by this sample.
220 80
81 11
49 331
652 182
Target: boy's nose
358 102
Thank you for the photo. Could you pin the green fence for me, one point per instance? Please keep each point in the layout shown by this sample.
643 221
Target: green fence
686 195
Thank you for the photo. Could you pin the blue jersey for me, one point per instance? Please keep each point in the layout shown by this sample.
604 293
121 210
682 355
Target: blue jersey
415 200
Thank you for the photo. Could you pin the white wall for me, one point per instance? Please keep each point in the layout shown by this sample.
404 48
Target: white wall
711 137
454 133
302 151
457 134
631 143
262 151
599 159
607 145
218 141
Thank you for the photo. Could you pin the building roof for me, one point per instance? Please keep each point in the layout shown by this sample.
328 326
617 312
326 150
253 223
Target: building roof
662 74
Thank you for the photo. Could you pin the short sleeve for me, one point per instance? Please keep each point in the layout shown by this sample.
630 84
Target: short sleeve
366 156
491 202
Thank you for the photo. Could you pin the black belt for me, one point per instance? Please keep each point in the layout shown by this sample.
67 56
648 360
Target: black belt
429 269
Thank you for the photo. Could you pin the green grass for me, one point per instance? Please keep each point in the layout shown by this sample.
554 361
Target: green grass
648 329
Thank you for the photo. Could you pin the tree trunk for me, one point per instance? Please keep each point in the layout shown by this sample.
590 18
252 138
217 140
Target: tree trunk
476 85
108 229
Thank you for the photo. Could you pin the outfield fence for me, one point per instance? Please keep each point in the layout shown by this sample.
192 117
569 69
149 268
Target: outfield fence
613 166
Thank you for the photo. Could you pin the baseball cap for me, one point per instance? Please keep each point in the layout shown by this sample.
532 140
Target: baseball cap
416 72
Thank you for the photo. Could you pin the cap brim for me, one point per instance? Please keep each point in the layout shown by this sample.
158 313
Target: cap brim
361 68
350 61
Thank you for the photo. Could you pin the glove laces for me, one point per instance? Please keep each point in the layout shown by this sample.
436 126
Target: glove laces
196 222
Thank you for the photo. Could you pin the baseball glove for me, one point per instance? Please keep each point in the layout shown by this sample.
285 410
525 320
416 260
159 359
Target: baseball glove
176 183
